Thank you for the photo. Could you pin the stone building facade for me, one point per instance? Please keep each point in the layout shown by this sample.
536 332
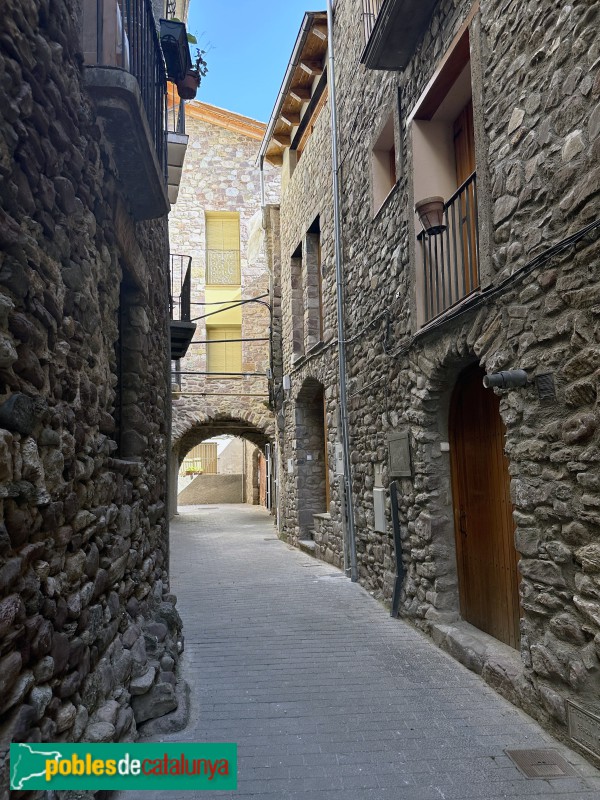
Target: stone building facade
89 634
464 461
221 176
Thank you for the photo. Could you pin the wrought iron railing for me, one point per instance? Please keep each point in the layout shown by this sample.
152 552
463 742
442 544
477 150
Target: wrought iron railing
126 37
176 116
223 267
181 287
148 66
371 9
451 256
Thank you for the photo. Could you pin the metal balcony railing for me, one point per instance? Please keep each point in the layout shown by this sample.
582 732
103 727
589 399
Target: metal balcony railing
371 9
126 37
148 66
176 116
451 256
181 287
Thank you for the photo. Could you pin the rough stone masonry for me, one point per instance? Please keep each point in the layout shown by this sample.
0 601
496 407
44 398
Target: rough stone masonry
221 174
535 78
89 634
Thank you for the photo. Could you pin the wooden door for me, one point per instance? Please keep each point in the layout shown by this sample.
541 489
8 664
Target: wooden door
484 527
464 153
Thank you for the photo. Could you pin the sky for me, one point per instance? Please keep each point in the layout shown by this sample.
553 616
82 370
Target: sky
248 44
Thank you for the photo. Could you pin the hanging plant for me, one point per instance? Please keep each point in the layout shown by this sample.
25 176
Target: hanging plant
188 87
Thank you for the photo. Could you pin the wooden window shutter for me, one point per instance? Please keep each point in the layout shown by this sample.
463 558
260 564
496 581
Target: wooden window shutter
223 355
222 248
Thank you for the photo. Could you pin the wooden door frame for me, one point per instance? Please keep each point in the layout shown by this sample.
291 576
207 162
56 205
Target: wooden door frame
459 480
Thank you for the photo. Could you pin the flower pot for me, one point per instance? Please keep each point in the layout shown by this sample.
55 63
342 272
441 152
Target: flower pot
431 214
188 87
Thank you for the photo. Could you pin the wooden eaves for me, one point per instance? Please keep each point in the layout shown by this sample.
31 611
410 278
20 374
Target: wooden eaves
306 65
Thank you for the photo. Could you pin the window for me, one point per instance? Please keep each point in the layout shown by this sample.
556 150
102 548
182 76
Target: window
313 286
307 292
223 292
224 349
443 146
201 459
222 247
383 164
297 303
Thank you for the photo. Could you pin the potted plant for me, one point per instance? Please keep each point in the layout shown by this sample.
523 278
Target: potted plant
193 471
431 214
188 87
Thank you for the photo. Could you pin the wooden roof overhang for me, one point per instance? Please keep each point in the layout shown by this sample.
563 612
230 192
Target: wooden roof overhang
300 91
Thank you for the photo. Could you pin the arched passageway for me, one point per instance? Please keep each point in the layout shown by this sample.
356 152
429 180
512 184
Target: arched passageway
242 468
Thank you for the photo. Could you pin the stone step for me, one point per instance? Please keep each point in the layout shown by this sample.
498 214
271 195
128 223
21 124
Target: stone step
308 546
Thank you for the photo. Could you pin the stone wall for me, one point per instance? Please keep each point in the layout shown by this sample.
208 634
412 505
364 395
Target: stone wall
220 174
240 459
89 636
213 489
536 92
230 458
306 197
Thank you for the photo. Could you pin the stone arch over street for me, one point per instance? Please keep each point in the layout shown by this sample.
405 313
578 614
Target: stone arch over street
194 423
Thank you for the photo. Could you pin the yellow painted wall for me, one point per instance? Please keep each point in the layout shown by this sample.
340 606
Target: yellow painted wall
225 295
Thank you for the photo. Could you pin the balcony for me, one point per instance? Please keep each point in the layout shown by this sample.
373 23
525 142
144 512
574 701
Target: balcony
177 142
450 255
182 330
393 29
125 76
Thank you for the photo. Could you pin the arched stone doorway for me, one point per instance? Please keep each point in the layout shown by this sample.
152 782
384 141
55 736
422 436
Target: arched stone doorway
484 528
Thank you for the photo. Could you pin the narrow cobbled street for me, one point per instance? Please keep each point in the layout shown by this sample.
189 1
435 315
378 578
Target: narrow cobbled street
326 695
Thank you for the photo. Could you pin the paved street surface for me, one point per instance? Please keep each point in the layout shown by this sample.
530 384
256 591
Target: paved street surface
326 695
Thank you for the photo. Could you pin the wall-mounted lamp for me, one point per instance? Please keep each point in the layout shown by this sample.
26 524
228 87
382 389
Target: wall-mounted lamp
287 383
511 379
431 214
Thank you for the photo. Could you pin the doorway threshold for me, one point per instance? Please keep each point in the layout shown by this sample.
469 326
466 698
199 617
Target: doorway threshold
498 664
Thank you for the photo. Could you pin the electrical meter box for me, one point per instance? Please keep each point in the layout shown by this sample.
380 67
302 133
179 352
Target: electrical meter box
339 459
379 508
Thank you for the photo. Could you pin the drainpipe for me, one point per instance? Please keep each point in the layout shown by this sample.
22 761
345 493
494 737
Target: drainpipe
262 186
343 404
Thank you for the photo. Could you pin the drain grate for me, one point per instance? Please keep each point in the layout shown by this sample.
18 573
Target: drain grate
541 763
